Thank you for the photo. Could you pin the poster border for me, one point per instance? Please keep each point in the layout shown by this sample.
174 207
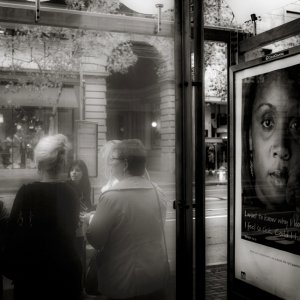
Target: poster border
237 288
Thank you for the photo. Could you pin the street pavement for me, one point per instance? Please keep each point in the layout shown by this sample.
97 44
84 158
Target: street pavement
216 282
216 224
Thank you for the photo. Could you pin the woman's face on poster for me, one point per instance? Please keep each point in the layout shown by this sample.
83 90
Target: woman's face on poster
275 141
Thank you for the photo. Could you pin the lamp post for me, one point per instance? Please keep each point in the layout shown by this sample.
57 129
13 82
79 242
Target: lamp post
159 6
37 10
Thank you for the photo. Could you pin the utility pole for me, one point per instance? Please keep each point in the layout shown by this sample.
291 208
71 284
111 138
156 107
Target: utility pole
159 6
254 19
37 10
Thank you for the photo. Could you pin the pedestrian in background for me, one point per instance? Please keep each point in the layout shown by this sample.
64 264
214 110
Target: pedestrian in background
44 262
128 230
79 180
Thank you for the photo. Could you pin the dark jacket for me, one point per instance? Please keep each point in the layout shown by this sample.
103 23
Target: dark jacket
42 238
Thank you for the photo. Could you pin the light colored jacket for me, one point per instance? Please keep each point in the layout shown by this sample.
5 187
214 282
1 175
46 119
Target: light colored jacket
128 228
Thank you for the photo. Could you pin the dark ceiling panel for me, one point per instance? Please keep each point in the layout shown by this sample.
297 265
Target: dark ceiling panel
51 2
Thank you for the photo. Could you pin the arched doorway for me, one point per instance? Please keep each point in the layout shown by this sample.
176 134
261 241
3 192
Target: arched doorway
133 102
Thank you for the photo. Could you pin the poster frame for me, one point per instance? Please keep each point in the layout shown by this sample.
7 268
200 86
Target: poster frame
237 287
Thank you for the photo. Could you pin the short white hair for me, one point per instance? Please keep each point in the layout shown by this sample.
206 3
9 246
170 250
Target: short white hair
50 153
105 153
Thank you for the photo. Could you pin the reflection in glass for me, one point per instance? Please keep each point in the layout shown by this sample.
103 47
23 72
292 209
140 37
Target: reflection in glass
122 82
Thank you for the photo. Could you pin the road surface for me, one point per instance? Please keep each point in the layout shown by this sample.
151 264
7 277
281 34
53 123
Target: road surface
215 222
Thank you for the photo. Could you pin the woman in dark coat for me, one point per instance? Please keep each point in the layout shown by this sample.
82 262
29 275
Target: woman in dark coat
42 230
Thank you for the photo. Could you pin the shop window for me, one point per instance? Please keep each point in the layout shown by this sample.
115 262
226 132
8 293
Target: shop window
122 83
21 128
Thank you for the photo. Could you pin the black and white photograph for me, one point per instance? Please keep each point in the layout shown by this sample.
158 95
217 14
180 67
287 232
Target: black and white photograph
149 149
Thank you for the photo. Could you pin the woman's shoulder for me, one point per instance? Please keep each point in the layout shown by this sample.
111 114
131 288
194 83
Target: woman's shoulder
125 189
47 186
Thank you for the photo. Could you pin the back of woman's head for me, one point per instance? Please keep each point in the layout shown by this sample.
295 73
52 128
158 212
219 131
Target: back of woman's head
50 153
105 154
134 152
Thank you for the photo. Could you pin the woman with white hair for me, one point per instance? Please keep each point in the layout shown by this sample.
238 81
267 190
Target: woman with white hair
128 230
42 225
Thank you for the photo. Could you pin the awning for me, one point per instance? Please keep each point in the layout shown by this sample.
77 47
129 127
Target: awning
69 97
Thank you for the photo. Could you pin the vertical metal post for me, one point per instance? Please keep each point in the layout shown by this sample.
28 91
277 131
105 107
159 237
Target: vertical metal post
200 150
184 153
159 6
37 10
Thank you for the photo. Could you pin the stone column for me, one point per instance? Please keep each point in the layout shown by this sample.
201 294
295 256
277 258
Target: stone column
167 109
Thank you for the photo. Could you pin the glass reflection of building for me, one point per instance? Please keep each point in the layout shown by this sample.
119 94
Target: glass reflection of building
216 109
121 79
23 125
137 101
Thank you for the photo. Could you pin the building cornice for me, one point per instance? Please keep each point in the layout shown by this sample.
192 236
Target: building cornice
59 17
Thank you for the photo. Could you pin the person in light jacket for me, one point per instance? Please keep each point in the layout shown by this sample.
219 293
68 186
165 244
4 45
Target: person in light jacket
127 229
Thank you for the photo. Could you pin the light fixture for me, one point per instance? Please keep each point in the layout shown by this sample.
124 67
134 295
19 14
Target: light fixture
154 124
1 118
149 6
159 6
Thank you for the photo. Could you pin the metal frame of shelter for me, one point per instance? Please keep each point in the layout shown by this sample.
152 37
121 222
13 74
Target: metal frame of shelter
57 17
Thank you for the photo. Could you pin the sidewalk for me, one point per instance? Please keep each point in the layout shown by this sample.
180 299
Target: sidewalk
216 282
214 178
216 285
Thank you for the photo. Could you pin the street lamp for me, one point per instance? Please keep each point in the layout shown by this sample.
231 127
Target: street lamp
159 6
37 8
254 19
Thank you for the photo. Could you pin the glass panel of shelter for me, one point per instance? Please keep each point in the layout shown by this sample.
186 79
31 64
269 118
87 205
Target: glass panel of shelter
123 82
216 152
22 127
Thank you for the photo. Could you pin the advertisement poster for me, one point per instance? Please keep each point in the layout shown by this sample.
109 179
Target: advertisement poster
267 185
